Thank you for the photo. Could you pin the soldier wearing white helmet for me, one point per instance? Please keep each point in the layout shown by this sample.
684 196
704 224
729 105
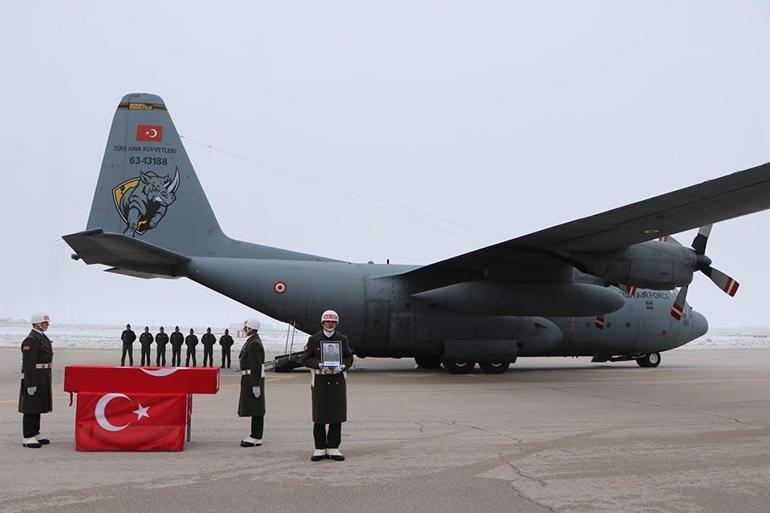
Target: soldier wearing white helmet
252 399
36 393
327 355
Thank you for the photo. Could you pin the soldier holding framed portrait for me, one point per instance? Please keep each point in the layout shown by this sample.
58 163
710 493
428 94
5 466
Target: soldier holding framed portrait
328 355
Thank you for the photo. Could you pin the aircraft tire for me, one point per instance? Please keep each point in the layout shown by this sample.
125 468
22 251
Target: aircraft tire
649 360
428 362
453 367
494 367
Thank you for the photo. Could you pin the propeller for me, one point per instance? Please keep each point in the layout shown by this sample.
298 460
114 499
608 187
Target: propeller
703 264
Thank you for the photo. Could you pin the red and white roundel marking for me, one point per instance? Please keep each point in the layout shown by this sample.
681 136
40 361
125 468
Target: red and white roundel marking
279 287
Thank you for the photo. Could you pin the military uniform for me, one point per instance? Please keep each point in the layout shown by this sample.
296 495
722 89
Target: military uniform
146 339
161 339
177 339
128 337
36 361
329 391
226 341
252 360
191 341
208 340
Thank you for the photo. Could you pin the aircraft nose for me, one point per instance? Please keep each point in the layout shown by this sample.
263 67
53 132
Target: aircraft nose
699 325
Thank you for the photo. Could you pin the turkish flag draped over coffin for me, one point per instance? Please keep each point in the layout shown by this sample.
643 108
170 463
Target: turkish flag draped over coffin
130 422
135 408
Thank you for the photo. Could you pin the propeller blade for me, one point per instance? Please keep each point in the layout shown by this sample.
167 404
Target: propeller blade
678 308
699 243
721 280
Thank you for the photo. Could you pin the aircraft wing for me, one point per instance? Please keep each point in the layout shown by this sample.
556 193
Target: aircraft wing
734 195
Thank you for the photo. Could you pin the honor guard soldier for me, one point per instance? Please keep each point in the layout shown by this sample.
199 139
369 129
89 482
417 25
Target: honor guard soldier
226 341
161 339
191 341
128 337
177 339
327 355
252 399
208 339
36 392
146 339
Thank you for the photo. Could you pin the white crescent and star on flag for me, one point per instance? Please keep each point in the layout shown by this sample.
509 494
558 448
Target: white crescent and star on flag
101 417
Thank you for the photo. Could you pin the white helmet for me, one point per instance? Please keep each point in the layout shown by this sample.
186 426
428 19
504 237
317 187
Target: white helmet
39 318
252 323
330 315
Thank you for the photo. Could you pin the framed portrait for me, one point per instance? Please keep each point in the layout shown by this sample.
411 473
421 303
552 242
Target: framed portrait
331 353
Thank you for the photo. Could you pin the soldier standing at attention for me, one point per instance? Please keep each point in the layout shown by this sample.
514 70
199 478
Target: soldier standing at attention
252 399
128 337
146 339
191 341
36 393
208 340
177 339
329 389
161 339
226 341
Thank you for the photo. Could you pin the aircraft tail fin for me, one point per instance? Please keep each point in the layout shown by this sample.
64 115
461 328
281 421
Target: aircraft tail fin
147 187
148 191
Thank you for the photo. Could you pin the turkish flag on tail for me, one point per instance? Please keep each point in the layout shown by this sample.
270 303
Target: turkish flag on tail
130 422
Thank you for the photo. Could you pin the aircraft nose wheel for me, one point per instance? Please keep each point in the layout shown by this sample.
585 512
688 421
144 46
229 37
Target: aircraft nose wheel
494 367
649 360
453 367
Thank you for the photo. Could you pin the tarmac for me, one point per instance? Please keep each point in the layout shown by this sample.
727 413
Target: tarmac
566 435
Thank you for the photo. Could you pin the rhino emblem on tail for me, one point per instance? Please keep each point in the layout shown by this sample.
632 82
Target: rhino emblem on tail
143 201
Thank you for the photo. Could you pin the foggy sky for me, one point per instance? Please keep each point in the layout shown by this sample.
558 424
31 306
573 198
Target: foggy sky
409 131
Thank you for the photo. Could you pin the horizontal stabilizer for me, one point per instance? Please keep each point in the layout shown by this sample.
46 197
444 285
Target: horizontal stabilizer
124 253
137 274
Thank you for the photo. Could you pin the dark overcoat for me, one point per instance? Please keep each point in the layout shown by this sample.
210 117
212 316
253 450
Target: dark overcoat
161 339
226 341
146 340
329 392
177 339
36 349
208 340
252 357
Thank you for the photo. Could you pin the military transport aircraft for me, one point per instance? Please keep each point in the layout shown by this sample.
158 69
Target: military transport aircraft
602 286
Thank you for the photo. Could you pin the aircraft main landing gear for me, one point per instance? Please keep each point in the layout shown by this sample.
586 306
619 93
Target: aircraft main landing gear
649 360
494 367
453 367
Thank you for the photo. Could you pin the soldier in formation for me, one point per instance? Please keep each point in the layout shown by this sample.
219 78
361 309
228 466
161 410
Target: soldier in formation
252 398
226 341
36 392
177 339
191 341
128 337
145 340
161 339
208 340
328 387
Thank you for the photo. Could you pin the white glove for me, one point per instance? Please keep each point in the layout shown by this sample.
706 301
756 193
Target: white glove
256 391
31 390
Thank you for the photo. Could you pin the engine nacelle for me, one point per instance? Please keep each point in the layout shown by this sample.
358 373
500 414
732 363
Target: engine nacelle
650 265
